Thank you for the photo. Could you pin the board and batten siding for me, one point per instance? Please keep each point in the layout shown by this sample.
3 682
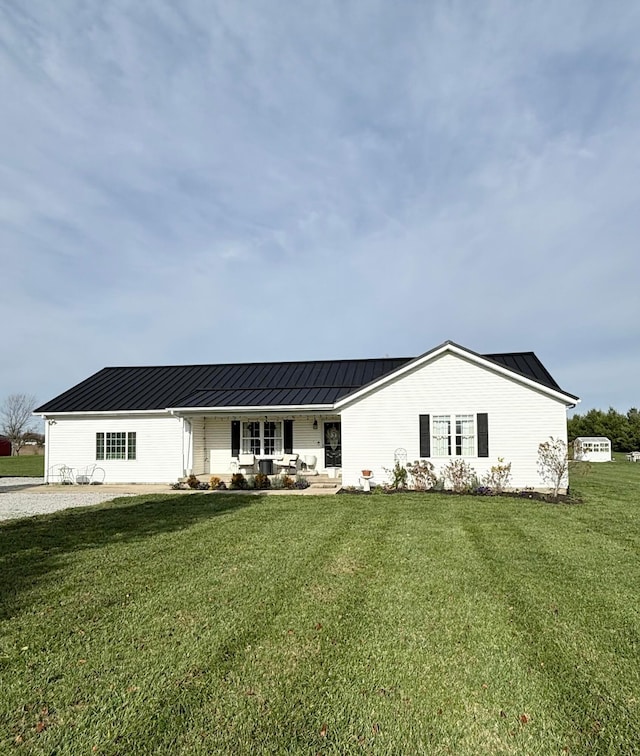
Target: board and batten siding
71 441
519 419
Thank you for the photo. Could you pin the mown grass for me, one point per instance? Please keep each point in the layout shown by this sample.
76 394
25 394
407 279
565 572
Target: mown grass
29 466
210 623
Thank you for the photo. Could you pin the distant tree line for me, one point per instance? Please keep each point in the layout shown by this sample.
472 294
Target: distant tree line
623 430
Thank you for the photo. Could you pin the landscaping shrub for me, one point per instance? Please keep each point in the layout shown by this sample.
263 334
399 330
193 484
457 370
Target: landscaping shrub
238 482
262 481
422 474
399 476
498 477
553 463
301 482
460 475
288 482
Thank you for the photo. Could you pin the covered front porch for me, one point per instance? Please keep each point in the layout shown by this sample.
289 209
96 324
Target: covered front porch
222 443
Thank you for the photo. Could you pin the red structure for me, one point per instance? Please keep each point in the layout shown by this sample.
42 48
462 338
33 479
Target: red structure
5 447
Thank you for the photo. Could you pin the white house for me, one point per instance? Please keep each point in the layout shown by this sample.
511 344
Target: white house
156 424
592 449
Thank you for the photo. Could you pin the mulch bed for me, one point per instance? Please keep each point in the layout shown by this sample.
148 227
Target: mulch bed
567 498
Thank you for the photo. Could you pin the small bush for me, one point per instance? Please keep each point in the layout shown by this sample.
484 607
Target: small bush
288 482
460 475
422 474
301 482
399 476
238 482
498 477
193 482
276 482
262 481
215 482
553 463
179 486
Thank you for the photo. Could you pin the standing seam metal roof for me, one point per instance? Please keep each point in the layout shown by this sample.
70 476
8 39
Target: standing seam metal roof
247 384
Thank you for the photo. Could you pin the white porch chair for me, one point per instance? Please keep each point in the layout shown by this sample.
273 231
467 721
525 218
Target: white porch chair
286 462
90 475
246 463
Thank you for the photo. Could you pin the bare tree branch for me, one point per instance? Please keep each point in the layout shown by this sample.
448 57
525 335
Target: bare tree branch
16 420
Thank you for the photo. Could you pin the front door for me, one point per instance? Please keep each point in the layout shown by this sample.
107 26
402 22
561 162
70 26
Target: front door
332 445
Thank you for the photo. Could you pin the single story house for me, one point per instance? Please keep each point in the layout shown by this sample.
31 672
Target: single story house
592 449
157 424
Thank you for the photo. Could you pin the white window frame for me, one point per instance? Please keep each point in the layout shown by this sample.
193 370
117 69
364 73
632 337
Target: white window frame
264 438
116 445
454 435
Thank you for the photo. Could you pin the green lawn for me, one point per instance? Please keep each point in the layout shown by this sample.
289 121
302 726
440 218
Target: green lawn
31 466
207 623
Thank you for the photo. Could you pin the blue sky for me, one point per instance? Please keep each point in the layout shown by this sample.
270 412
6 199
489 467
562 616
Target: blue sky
226 181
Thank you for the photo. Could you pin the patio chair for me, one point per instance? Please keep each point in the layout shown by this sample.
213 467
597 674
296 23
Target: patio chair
286 462
90 475
84 474
246 463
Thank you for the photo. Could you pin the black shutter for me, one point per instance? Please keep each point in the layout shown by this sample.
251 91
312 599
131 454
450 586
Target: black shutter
235 438
483 434
288 436
425 436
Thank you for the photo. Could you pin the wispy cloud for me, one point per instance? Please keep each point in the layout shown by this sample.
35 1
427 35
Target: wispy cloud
180 180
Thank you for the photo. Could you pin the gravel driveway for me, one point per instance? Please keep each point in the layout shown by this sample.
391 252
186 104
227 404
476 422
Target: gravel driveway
23 497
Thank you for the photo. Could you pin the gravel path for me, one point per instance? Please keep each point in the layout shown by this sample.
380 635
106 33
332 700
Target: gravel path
18 499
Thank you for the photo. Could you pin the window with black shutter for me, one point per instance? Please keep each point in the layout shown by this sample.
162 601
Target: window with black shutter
235 438
425 436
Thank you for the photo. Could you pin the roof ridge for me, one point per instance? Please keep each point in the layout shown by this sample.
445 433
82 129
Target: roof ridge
245 364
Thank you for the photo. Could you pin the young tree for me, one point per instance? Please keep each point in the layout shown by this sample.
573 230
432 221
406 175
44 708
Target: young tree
15 419
553 463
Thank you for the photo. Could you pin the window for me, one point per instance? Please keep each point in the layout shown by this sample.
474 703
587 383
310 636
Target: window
441 436
460 442
117 445
262 438
251 438
465 436
272 438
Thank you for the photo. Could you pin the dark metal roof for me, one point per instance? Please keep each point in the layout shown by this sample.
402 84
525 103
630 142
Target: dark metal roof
236 385
527 364
271 384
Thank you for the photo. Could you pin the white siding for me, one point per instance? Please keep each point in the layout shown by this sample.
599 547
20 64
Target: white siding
213 447
219 445
520 418
159 446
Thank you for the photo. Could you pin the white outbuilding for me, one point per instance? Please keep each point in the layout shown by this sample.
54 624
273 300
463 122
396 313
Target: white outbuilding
592 449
